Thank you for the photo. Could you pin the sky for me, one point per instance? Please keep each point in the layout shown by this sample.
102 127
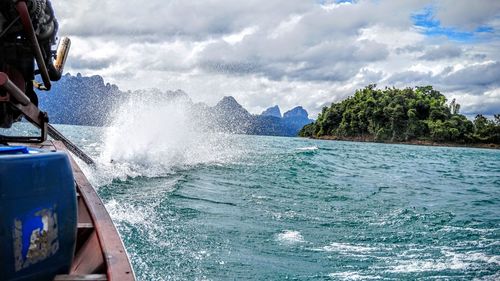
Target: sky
289 52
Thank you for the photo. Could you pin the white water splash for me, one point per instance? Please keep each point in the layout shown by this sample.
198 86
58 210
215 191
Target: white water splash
428 265
352 275
450 260
308 148
128 213
152 134
290 237
347 248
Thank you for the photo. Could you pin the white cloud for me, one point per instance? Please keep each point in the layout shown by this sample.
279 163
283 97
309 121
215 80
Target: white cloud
487 104
238 37
467 14
285 52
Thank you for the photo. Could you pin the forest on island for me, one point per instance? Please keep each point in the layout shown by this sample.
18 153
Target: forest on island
402 115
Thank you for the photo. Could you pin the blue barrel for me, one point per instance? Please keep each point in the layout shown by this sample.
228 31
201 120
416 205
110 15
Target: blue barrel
38 214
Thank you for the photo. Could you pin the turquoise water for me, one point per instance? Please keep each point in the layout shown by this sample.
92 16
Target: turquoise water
270 208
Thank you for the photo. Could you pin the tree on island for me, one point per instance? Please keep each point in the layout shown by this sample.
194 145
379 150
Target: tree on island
399 115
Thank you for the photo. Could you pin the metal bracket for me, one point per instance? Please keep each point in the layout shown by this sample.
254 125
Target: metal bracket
31 112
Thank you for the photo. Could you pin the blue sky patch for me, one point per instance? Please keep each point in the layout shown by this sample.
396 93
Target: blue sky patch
431 26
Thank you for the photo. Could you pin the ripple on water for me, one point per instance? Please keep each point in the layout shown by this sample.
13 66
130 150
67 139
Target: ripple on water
308 148
448 261
352 275
347 248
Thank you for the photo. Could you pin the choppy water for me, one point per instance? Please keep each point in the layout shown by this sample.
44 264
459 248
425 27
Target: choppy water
268 208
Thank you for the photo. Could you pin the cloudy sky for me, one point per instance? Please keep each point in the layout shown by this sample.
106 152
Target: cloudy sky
289 52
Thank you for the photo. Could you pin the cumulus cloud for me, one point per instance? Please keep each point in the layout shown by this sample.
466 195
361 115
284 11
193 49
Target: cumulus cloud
285 52
171 18
442 52
465 14
486 104
411 77
479 75
475 78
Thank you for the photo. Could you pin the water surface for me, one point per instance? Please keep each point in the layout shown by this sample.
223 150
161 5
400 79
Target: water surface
270 208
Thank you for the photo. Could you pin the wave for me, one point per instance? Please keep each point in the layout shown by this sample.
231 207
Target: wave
122 213
449 260
411 266
346 247
352 275
151 135
290 237
308 148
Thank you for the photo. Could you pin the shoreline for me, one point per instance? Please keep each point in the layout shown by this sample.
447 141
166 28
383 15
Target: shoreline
413 142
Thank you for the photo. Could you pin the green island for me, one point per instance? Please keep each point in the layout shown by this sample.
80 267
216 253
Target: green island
419 115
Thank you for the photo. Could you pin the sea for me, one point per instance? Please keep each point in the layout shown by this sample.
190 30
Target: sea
191 204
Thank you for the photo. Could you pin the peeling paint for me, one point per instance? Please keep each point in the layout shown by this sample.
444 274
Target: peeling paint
35 237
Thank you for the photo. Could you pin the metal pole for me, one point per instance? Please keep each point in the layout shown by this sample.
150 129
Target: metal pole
55 134
13 89
24 15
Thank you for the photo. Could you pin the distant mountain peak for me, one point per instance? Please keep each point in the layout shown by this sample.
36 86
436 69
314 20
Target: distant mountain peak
272 111
229 105
228 100
296 112
89 100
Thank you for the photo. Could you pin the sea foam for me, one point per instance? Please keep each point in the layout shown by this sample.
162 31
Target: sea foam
308 148
345 248
290 237
351 275
151 135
